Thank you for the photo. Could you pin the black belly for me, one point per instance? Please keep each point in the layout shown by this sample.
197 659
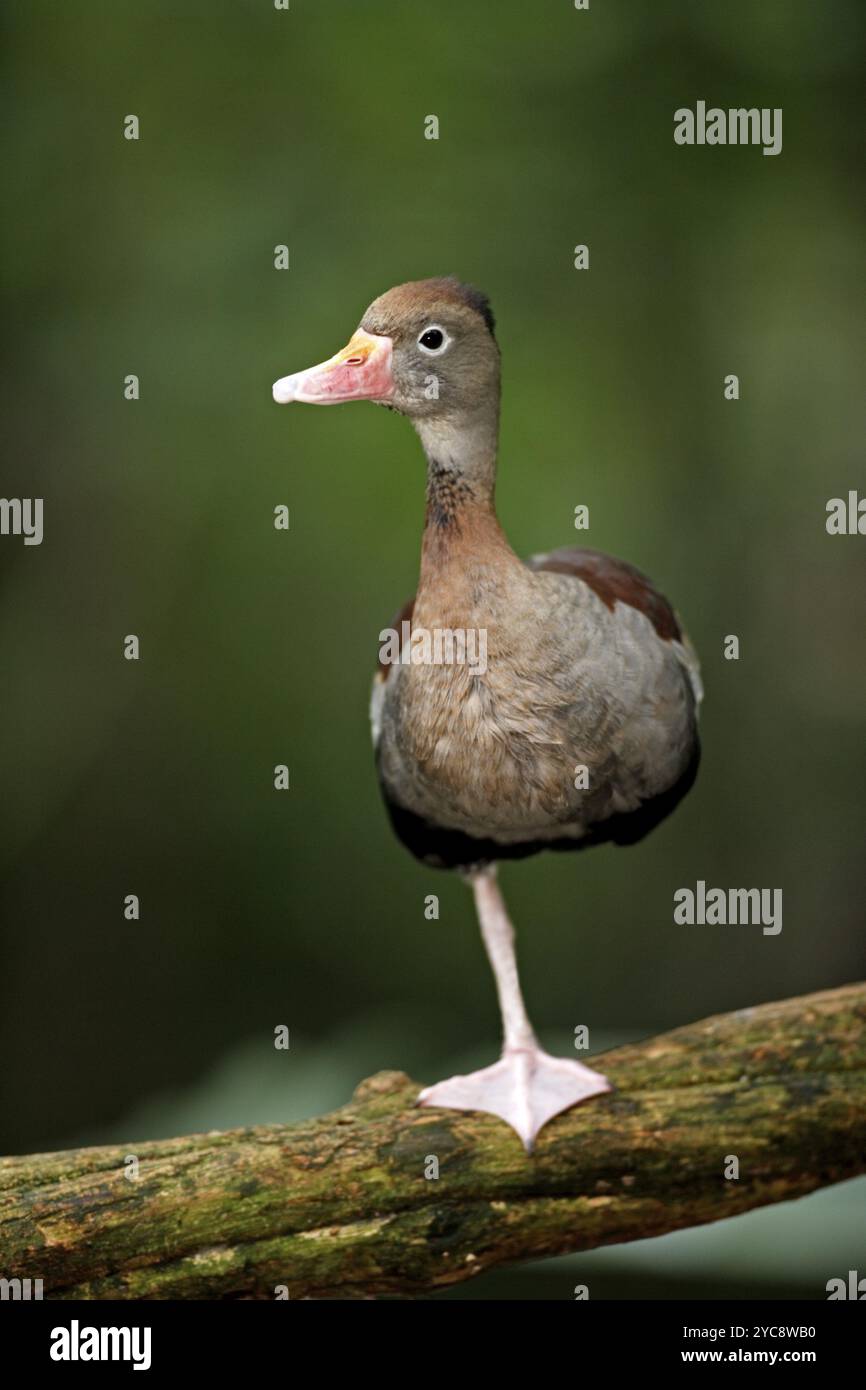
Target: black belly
441 848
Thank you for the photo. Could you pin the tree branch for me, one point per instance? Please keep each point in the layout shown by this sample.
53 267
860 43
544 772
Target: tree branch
340 1206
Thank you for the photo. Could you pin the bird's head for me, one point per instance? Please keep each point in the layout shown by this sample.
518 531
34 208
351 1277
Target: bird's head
426 349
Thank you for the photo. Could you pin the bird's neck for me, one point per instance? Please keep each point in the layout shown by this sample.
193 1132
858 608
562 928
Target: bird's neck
461 519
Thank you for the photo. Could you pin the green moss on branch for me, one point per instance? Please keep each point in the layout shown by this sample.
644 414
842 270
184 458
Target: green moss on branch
340 1206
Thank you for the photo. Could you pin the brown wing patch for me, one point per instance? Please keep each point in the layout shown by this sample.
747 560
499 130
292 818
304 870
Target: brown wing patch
614 581
404 616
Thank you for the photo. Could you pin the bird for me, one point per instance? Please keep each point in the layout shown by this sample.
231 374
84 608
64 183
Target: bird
579 726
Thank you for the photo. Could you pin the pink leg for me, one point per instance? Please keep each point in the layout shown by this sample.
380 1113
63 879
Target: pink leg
527 1086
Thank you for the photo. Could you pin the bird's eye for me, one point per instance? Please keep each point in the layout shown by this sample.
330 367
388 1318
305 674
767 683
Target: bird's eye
433 339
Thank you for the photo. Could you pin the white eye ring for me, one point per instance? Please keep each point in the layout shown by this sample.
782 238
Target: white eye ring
433 351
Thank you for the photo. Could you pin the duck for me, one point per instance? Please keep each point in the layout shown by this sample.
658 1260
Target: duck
580 725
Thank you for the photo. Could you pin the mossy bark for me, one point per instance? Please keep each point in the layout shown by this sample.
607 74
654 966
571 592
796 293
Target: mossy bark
341 1206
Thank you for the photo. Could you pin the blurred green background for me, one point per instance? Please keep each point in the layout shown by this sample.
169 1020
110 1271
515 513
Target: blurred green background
156 258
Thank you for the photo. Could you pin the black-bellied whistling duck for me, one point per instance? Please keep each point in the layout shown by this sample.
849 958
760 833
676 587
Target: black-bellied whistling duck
577 727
